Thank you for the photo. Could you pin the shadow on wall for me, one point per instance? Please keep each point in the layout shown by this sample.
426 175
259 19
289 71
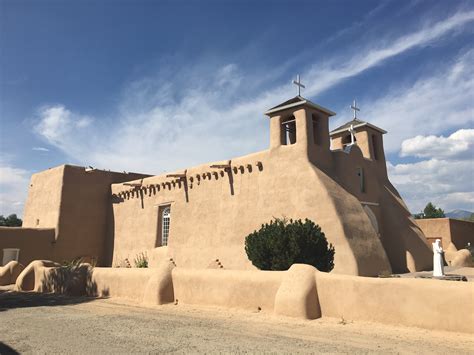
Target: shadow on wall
44 283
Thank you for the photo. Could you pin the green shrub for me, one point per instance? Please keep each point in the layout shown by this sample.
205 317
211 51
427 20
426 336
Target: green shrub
282 243
141 260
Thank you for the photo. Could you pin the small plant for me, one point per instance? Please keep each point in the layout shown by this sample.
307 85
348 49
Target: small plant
141 260
72 264
282 243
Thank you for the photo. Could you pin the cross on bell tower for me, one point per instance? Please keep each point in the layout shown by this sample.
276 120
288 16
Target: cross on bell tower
355 108
297 82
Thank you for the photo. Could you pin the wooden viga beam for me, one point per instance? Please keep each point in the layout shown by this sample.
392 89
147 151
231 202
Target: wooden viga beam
179 176
221 166
134 184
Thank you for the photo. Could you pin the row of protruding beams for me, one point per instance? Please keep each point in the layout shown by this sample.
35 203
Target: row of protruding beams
179 177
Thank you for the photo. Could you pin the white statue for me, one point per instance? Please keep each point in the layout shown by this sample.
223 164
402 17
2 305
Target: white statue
438 265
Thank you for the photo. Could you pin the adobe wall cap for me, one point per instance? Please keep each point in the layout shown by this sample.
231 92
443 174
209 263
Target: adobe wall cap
299 101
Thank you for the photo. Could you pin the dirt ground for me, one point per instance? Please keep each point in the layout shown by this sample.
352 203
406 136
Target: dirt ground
48 324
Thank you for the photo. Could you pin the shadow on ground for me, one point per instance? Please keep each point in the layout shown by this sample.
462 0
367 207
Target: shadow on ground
11 300
5 349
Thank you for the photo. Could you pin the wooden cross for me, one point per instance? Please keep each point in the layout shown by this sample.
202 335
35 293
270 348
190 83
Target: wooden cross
297 82
355 108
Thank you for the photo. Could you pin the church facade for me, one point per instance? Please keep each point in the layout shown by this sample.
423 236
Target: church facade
200 216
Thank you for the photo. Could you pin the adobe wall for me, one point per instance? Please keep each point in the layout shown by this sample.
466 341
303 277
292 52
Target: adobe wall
251 289
42 205
301 292
462 232
431 304
85 213
402 239
448 230
77 204
34 243
212 211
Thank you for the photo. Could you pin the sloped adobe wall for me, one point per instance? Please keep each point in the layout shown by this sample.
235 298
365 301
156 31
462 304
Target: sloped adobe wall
214 210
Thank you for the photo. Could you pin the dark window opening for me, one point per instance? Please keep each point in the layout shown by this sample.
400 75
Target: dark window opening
288 128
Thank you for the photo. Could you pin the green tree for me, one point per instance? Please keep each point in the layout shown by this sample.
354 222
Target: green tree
431 211
282 243
10 221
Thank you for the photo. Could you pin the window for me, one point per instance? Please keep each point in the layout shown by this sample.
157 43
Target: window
374 146
360 174
288 129
165 225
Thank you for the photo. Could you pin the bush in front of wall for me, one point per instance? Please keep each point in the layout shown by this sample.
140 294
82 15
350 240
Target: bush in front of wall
282 243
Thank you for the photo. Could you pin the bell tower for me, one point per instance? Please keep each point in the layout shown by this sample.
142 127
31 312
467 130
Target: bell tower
301 125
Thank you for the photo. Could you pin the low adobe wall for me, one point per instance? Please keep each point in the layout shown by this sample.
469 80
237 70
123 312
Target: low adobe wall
301 292
431 304
34 243
128 283
448 230
251 289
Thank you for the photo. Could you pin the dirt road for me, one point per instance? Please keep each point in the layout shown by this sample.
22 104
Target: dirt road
46 324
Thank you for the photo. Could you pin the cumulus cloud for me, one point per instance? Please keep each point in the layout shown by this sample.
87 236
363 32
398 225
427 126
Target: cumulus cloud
446 183
458 144
13 189
445 176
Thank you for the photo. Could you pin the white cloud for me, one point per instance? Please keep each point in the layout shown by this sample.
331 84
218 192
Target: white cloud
40 149
13 189
445 178
459 143
448 184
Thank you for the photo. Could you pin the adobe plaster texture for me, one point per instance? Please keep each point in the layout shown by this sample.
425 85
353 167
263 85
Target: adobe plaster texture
448 230
302 292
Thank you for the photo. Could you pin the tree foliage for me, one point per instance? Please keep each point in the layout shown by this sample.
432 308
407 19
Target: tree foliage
10 221
431 211
282 243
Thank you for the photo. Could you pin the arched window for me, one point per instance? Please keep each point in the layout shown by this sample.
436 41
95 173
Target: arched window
165 225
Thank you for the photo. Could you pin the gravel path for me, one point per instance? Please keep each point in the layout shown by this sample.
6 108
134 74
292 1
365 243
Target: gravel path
49 324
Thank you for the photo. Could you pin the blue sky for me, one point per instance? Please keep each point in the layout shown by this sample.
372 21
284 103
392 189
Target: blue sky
154 86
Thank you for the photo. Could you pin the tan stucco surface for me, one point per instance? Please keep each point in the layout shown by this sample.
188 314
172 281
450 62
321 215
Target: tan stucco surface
448 230
431 304
9 272
34 243
76 203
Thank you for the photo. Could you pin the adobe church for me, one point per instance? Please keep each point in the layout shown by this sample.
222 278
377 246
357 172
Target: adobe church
200 216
